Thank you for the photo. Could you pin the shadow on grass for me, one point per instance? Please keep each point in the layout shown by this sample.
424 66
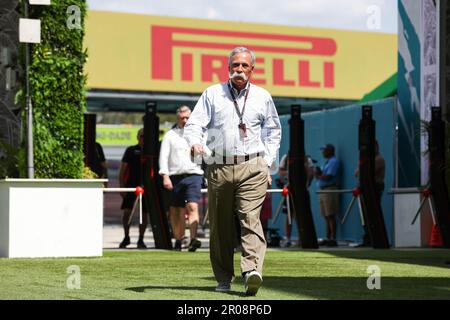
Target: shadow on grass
355 288
333 288
439 258
209 289
430 258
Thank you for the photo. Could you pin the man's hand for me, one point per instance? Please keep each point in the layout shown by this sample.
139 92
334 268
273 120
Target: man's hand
196 149
197 153
167 183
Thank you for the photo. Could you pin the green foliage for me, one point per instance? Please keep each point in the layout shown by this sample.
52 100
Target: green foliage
89 174
58 91
12 161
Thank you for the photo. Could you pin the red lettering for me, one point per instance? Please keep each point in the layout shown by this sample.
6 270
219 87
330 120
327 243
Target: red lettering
278 74
208 69
259 71
162 44
186 67
162 53
328 74
303 75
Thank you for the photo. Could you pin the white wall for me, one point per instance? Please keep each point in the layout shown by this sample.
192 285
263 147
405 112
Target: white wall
51 218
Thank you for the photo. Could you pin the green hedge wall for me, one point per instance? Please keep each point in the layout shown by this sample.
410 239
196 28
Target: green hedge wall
58 91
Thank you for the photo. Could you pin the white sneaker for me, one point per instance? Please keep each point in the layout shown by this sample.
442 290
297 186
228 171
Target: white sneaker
253 281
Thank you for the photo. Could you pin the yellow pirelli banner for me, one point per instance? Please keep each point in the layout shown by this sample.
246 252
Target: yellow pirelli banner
161 54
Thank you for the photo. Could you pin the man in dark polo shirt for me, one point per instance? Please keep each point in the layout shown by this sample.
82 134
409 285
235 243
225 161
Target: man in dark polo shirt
130 176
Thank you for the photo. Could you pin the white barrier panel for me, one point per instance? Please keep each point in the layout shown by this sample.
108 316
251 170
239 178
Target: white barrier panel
51 218
406 204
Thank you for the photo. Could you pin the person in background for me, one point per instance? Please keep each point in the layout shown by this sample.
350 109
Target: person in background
130 176
327 180
183 178
266 214
380 168
99 165
283 181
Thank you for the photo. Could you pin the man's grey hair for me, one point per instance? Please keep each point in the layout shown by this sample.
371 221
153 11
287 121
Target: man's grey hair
182 109
241 50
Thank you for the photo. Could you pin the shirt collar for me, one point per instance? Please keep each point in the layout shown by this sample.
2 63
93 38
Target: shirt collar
178 129
230 84
329 159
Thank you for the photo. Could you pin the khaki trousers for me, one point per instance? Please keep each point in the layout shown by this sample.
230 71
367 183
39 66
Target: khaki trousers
236 189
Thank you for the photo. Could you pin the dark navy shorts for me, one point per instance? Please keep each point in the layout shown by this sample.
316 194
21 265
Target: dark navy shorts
186 188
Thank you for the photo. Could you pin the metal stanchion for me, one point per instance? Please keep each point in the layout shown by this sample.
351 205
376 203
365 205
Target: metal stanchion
357 197
427 196
139 191
285 197
356 192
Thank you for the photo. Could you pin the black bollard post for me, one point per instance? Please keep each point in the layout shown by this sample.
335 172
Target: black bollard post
371 207
438 185
152 191
297 181
90 121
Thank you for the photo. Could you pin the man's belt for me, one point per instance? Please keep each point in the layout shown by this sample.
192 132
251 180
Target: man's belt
240 159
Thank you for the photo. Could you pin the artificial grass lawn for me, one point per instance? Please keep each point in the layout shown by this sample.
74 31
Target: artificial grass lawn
294 274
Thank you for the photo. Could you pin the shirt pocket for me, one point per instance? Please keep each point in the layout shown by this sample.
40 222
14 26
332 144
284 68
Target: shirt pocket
224 113
254 111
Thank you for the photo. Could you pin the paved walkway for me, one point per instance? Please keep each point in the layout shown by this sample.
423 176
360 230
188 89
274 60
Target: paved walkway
113 235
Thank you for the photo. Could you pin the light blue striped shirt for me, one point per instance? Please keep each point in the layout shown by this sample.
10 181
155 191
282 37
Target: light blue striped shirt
215 114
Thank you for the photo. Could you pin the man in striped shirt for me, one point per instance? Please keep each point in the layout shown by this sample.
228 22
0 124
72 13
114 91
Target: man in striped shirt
244 135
